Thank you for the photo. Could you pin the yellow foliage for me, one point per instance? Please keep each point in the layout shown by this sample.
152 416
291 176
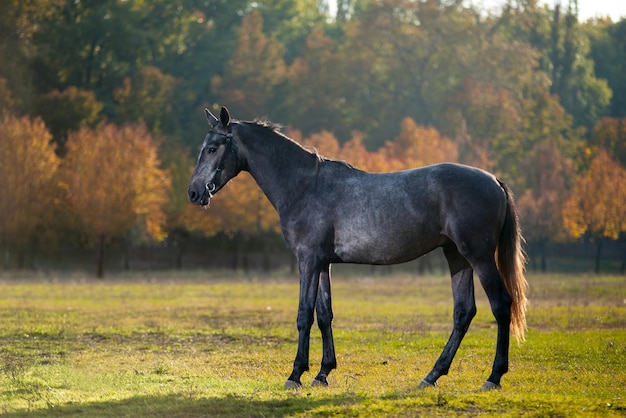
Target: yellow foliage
418 146
324 143
240 207
597 204
355 153
28 168
114 181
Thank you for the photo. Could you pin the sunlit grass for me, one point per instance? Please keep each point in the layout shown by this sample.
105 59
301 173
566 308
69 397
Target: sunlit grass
173 344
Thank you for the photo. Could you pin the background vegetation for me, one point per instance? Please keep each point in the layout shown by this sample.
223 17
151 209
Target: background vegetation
101 102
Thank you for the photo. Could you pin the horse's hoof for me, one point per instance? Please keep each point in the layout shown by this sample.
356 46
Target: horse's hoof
317 382
424 384
290 384
490 386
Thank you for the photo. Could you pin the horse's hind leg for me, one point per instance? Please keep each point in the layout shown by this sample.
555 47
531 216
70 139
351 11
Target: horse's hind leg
464 312
324 311
500 302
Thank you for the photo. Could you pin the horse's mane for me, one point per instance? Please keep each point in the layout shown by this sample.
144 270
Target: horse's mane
276 128
266 123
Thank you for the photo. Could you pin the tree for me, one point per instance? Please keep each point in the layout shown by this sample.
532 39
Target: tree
355 153
6 97
610 134
541 205
581 93
289 21
241 211
597 204
608 51
65 111
418 146
313 100
148 98
19 22
253 72
28 179
114 184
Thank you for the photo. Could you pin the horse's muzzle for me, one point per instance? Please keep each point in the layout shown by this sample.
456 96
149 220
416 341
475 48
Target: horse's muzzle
201 197
198 197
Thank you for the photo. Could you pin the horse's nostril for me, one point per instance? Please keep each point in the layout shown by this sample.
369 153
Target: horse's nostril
193 196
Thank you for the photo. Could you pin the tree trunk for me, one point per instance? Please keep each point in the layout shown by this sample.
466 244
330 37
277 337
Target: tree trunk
598 254
542 250
623 268
100 272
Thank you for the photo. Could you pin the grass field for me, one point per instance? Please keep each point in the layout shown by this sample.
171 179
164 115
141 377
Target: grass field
181 344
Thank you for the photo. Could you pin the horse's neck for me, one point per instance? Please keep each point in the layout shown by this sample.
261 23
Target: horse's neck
281 168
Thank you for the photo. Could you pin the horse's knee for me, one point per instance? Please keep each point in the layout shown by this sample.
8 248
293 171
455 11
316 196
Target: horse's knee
305 320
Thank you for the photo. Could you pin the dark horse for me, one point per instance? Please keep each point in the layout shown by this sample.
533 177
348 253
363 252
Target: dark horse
331 212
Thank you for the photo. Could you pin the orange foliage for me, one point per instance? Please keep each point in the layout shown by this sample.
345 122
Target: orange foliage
355 153
541 205
418 146
240 207
28 168
114 182
597 205
324 143
610 134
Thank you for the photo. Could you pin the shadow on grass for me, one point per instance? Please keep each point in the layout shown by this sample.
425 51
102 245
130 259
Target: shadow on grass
180 406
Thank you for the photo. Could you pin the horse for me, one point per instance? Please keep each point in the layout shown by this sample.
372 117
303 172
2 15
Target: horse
331 212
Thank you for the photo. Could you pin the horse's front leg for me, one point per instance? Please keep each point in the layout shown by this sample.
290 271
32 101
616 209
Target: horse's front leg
309 284
324 311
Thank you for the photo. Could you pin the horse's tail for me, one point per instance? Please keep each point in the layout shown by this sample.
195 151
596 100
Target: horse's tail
511 261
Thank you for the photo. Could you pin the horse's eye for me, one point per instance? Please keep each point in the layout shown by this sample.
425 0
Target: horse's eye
212 150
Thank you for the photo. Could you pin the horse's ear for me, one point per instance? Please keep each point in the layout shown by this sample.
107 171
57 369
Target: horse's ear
224 116
210 117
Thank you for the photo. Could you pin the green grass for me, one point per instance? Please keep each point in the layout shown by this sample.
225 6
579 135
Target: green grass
177 344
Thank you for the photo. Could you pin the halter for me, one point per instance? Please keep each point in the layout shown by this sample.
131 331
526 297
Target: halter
210 186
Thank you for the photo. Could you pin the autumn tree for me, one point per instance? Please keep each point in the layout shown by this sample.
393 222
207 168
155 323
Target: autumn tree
610 134
323 142
540 206
596 206
253 72
313 83
355 153
114 184
147 97
240 211
28 179
6 97
417 146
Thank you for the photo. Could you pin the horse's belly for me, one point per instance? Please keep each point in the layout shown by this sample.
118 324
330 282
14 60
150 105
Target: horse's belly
384 246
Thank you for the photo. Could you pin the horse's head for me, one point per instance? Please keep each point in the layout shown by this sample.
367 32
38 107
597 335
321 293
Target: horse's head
217 162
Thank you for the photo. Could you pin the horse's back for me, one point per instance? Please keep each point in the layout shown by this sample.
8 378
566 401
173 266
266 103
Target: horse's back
395 217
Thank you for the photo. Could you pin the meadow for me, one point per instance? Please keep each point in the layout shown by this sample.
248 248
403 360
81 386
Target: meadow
173 344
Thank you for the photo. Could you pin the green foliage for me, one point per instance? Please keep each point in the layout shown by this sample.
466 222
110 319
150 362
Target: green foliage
163 345
67 111
608 51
